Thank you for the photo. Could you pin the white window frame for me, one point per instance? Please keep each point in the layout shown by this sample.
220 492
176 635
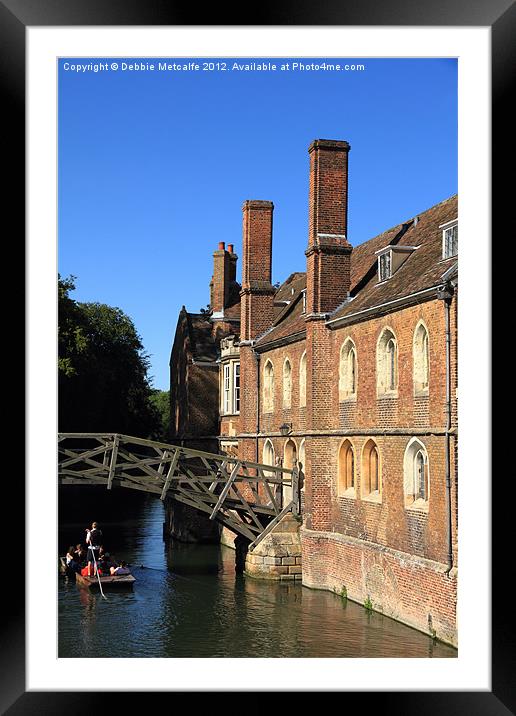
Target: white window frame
385 266
226 387
236 388
230 402
448 226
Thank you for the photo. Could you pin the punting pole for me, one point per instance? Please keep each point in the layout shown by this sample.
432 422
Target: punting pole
98 575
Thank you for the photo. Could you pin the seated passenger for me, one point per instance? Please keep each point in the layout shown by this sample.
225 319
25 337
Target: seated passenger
102 566
80 554
110 560
121 569
71 563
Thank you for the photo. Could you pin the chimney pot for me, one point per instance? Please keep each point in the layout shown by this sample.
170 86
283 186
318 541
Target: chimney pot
222 245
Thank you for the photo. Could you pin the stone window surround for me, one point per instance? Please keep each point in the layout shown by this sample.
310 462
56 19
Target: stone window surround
348 492
268 387
414 446
375 496
417 368
344 393
382 367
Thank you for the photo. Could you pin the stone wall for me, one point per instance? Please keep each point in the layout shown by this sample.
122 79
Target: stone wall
278 555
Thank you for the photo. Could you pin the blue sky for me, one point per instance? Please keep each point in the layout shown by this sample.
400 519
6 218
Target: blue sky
154 167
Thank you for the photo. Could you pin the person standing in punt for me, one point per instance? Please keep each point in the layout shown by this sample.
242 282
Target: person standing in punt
93 540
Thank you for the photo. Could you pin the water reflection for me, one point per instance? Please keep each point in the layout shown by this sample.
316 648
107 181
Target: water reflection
189 602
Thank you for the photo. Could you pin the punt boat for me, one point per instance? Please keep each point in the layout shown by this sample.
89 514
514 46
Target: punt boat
109 581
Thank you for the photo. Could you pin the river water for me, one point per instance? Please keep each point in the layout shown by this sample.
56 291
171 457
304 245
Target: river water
188 601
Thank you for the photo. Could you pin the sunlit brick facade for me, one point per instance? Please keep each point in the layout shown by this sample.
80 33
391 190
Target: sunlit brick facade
350 369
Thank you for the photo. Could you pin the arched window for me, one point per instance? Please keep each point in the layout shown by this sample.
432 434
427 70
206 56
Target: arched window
302 381
347 370
421 360
371 480
346 469
387 362
269 457
268 387
289 459
416 478
287 383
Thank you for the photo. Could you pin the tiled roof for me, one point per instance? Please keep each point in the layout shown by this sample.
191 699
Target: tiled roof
422 269
288 318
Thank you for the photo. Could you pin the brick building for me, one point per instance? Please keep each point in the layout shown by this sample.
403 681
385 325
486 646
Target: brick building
350 369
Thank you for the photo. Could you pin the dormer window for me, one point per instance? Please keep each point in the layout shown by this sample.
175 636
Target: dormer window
391 258
450 239
384 266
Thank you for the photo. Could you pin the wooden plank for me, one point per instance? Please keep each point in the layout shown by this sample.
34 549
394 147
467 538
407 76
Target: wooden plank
271 526
170 472
83 456
296 509
225 490
249 510
112 465
235 525
271 496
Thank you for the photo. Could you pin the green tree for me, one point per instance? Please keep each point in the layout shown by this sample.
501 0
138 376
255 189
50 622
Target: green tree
72 340
103 383
160 399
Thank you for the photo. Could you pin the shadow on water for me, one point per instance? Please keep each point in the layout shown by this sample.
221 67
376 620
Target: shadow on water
188 600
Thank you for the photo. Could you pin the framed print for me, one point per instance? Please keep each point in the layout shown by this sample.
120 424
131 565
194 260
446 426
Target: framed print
56 93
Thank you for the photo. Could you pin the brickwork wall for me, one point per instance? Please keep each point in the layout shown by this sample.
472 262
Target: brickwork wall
405 409
296 415
230 425
415 591
386 521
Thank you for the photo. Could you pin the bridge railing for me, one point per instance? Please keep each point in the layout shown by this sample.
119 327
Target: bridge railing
248 497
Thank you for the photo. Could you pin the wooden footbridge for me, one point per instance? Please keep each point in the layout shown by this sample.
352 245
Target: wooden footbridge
247 497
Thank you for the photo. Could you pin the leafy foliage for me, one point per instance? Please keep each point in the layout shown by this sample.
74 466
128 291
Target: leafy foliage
103 383
160 400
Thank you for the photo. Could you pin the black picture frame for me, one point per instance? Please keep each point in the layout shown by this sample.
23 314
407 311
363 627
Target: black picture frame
500 16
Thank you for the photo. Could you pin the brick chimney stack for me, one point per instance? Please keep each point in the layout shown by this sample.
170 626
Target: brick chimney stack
257 307
219 286
328 254
233 258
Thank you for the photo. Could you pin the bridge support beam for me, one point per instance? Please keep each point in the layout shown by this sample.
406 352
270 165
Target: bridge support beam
278 555
187 524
